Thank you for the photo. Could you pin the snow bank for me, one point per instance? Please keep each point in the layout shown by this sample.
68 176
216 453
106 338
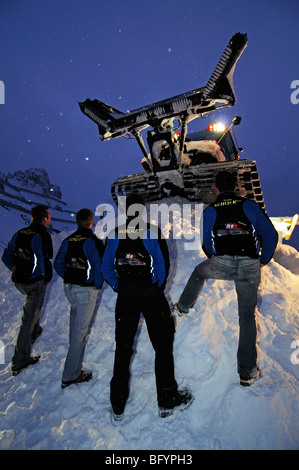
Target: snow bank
37 414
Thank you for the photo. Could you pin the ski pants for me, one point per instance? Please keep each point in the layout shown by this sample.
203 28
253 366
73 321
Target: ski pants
34 297
245 272
133 299
83 300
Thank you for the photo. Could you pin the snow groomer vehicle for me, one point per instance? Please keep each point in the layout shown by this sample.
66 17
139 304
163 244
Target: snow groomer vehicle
175 162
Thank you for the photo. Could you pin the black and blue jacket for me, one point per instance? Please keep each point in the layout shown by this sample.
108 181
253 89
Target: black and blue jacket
118 254
78 260
237 226
29 254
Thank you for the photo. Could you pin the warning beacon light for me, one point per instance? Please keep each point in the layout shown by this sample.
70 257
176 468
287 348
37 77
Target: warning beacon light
216 127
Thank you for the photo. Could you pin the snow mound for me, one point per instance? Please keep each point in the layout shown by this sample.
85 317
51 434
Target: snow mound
37 414
288 257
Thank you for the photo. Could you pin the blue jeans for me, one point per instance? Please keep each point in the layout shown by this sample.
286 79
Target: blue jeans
246 274
83 301
34 296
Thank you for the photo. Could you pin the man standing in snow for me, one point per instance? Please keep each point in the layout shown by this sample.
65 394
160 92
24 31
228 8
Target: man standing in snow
28 255
135 265
78 262
234 230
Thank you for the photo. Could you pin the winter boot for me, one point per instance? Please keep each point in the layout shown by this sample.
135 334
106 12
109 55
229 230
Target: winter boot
31 360
84 376
180 401
117 418
247 381
176 310
118 412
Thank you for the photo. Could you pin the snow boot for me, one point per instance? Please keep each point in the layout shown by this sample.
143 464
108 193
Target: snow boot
117 418
84 376
179 402
247 381
118 413
176 310
31 360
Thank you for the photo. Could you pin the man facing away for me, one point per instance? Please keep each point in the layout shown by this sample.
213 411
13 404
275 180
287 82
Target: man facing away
28 255
235 229
78 262
134 265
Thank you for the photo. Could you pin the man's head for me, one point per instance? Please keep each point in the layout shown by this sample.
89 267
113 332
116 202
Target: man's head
85 218
41 215
225 181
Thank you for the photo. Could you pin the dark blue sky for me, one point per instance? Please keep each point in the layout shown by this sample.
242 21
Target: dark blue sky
129 53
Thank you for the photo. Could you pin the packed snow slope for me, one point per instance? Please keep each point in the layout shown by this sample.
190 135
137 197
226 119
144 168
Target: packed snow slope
37 414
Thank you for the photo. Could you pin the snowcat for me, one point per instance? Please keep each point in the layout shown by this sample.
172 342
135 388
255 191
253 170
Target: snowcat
179 163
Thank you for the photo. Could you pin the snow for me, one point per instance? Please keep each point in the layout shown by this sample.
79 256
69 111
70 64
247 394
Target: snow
37 414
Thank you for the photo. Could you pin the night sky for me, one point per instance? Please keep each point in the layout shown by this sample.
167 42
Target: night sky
130 53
